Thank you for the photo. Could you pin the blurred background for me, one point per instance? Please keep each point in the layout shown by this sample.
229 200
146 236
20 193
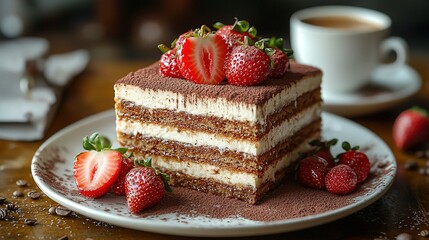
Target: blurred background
129 29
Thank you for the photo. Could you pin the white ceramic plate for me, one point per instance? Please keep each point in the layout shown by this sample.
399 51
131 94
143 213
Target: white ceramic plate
52 167
388 88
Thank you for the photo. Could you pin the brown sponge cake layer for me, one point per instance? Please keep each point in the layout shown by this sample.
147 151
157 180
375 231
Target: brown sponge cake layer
221 181
211 124
223 158
245 193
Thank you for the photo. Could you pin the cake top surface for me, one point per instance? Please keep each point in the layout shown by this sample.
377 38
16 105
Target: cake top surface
149 78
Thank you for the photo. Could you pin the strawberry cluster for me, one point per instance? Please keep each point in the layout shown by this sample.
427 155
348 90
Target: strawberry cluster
233 52
339 175
101 169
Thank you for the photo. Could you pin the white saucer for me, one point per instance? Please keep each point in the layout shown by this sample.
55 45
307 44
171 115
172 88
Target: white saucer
388 88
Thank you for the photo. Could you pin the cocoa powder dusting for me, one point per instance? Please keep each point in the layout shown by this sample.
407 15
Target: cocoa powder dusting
288 201
149 78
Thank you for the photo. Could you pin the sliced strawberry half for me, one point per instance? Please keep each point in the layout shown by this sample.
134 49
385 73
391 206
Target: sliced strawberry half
96 171
202 58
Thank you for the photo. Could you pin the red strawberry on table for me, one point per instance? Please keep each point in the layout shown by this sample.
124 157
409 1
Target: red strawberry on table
202 57
145 186
234 34
96 170
411 128
312 171
341 179
247 65
357 160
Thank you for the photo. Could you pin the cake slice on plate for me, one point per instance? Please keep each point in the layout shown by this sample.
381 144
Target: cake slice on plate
235 141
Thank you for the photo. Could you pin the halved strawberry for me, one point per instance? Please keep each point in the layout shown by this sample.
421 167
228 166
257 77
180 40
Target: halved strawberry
96 169
95 172
202 57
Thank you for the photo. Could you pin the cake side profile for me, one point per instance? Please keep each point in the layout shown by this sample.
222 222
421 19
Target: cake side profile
223 139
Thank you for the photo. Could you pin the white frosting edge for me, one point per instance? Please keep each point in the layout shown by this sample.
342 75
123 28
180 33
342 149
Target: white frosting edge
218 107
223 175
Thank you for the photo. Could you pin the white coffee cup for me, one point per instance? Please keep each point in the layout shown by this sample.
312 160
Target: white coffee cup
346 54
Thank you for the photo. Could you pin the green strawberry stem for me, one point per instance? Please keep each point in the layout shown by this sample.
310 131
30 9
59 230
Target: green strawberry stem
248 41
99 143
346 146
218 25
241 26
202 31
96 142
147 162
252 32
289 52
273 42
420 110
164 48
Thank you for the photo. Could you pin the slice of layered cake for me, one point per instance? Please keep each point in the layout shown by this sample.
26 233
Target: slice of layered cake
235 141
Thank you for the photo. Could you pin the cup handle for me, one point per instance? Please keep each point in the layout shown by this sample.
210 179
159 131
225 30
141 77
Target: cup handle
399 46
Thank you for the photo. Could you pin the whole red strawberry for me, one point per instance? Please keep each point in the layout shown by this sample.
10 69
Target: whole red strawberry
411 128
234 34
97 169
357 160
312 171
118 187
145 186
202 57
169 64
247 65
341 179
280 62
323 150
178 43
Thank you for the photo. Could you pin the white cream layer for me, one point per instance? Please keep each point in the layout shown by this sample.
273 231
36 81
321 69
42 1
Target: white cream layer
218 107
222 175
195 138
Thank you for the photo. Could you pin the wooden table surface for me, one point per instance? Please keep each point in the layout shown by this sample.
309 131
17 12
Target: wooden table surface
402 209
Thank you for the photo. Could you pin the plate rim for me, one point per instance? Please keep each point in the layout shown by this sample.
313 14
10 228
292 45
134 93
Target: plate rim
271 227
